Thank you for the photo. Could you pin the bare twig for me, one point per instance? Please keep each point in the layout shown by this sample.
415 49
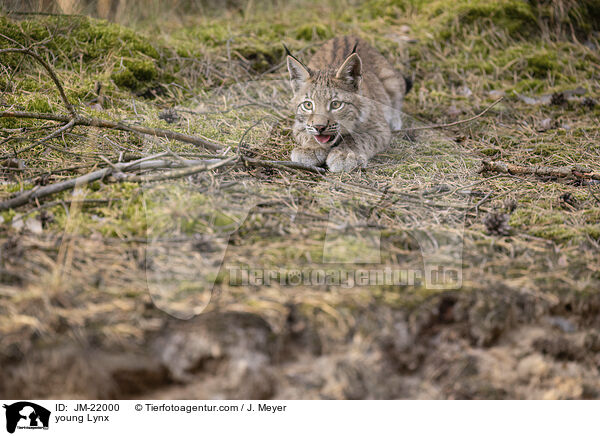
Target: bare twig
455 123
50 71
574 171
184 172
75 120
115 125
187 167
44 191
54 134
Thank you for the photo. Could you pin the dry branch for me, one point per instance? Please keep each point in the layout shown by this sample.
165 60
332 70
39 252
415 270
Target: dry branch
206 165
455 123
43 191
50 71
185 167
115 125
574 171
54 134
74 119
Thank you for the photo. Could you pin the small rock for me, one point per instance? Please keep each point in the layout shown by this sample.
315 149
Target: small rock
562 261
17 222
31 224
570 93
465 91
544 99
97 107
34 226
496 93
562 324
545 124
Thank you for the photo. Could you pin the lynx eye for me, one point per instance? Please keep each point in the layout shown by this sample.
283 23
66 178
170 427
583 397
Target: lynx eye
335 104
307 105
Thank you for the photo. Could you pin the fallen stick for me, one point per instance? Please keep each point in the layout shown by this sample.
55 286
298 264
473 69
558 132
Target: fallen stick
184 172
43 191
185 167
54 134
50 71
455 123
115 125
574 171
74 119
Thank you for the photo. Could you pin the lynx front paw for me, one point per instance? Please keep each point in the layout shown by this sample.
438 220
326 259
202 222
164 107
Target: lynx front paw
345 160
309 156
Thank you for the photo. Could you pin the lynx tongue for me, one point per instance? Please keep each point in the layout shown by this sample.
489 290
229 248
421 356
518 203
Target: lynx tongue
322 138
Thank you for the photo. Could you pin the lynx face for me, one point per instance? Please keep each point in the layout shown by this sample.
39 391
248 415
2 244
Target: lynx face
327 105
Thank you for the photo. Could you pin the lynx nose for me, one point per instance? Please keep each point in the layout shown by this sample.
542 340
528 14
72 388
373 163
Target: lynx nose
320 127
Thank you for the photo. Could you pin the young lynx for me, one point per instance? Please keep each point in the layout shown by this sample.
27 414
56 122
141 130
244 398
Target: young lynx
347 102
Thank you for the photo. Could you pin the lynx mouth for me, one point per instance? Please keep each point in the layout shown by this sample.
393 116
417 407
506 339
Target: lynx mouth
324 139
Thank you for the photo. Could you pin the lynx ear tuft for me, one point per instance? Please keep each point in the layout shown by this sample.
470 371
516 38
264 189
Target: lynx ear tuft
351 71
299 73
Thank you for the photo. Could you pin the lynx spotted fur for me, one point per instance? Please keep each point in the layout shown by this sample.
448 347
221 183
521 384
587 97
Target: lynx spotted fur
347 102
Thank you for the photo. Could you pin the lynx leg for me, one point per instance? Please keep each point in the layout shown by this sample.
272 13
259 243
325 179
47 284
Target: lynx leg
309 156
343 158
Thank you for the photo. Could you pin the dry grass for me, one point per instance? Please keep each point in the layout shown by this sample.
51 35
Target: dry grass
93 269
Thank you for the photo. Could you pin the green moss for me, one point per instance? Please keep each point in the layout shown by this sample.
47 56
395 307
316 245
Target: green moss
539 64
209 33
125 79
39 104
593 231
18 187
383 8
100 37
143 70
528 217
489 151
311 32
515 16
30 85
97 46
9 123
8 215
261 56
94 39
529 86
578 16
559 233
592 214
136 74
